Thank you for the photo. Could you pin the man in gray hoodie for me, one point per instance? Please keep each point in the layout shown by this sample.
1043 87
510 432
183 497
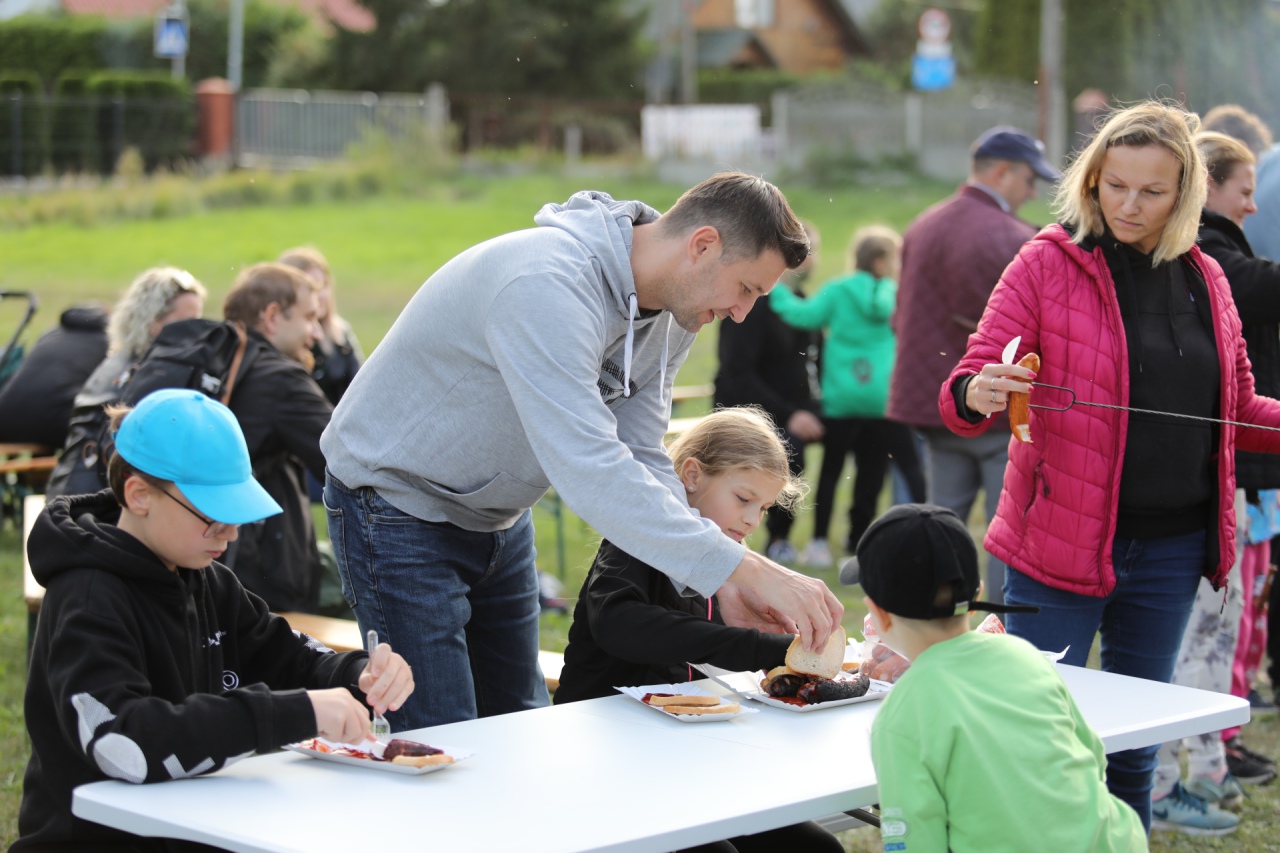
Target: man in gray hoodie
545 358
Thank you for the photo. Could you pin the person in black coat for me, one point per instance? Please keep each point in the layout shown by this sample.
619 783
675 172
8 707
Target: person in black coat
282 412
765 362
36 402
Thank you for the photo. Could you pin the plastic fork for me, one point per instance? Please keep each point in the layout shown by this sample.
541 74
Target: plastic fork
381 728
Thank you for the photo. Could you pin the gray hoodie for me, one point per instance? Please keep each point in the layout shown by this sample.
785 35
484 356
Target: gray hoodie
523 364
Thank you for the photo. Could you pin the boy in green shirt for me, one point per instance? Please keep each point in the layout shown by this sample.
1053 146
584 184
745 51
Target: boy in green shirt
980 746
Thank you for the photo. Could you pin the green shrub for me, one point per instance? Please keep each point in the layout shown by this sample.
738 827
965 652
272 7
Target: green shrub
22 121
73 125
146 109
48 45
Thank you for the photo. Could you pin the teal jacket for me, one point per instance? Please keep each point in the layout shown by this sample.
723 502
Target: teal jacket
857 359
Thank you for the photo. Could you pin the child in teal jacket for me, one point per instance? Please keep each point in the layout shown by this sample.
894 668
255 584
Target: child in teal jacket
857 361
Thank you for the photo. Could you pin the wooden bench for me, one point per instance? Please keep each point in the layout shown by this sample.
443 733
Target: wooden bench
27 459
343 635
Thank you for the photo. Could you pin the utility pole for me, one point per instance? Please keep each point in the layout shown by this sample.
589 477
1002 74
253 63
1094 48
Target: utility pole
235 46
688 53
1053 100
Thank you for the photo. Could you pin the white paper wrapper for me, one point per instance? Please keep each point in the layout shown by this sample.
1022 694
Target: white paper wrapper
638 693
457 753
747 684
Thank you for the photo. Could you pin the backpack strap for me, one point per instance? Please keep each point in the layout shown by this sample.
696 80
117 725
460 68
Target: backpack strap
235 362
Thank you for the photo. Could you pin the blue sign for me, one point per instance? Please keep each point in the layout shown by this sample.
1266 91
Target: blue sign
171 38
929 73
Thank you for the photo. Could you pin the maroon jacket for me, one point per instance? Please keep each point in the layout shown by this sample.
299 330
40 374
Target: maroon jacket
952 257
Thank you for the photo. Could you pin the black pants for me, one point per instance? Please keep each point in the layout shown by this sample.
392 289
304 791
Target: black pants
778 522
874 442
805 837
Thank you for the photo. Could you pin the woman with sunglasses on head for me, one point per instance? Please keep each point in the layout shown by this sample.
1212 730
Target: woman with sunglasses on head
1109 517
150 661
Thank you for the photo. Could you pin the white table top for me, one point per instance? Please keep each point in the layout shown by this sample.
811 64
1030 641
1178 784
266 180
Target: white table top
607 774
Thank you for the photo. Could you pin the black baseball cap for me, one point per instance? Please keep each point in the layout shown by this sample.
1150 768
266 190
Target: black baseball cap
1004 142
911 553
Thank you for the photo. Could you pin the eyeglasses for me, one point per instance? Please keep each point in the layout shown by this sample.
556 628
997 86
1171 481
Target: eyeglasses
213 529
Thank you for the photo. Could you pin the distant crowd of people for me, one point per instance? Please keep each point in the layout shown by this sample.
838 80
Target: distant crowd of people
545 358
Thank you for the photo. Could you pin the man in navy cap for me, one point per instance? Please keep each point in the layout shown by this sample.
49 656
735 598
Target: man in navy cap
952 257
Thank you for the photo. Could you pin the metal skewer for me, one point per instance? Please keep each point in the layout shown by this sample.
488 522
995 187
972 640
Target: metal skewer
1076 402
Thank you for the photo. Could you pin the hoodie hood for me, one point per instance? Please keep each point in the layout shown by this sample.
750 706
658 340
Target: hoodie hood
605 227
79 532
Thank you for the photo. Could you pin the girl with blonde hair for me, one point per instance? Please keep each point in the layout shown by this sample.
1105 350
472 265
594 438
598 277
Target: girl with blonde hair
1110 516
632 627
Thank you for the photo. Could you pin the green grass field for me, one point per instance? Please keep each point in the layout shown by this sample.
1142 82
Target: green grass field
381 250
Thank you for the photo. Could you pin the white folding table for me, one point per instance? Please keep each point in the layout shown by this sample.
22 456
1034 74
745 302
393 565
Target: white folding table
608 774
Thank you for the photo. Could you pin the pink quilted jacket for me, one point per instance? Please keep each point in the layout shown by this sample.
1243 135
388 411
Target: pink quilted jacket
1057 514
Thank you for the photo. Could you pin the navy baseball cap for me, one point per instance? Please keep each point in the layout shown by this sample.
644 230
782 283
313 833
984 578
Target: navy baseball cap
1008 143
918 561
195 442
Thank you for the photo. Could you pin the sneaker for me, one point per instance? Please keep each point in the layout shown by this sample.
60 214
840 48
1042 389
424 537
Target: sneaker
781 551
1226 794
1246 765
1182 811
816 553
1259 706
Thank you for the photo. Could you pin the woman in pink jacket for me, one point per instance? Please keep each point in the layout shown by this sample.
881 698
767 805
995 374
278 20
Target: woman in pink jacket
1109 518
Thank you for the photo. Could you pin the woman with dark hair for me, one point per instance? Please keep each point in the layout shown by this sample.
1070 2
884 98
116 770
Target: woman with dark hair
1109 517
1217 769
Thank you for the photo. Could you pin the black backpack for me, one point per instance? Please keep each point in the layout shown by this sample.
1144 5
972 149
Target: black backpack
206 355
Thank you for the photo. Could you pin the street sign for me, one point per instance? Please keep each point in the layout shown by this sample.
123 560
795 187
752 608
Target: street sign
929 73
933 66
171 39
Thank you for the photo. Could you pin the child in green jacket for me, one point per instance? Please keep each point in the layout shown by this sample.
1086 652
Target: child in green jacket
857 361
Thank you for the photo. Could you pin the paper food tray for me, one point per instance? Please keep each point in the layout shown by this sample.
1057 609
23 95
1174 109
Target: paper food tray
637 693
747 684
458 754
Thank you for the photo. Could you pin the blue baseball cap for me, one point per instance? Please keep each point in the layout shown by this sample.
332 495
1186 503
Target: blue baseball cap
195 442
1003 142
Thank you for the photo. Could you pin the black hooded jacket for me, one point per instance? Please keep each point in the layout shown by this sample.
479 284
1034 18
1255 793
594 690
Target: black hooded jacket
1255 287
144 675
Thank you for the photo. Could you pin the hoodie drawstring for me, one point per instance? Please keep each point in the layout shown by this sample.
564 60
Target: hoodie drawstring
662 370
1132 294
632 306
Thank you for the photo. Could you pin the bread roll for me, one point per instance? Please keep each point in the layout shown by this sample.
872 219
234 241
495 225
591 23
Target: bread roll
696 710
662 701
422 760
1020 402
826 664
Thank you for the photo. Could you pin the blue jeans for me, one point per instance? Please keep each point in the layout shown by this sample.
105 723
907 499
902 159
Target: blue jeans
461 607
1141 622
958 469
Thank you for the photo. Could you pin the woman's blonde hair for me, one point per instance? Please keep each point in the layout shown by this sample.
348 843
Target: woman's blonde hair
1148 123
147 299
1222 153
308 258
871 243
738 437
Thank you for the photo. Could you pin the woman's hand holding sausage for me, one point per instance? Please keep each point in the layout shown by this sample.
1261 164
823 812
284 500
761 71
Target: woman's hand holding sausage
988 392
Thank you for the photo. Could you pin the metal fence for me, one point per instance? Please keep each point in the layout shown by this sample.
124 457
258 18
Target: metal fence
297 127
936 127
88 134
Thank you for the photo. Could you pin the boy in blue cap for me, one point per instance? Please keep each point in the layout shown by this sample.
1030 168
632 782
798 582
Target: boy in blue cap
151 661
980 746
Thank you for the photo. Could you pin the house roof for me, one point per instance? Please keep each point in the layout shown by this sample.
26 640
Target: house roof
345 13
718 48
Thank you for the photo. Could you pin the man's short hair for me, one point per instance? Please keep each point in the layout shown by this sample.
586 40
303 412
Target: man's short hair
259 286
1234 120
751 214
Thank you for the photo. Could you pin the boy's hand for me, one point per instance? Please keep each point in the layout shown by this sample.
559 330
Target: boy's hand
340 716
387 680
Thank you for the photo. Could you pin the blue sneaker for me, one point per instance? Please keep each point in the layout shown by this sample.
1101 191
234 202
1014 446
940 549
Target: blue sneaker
1227 794
1182 811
